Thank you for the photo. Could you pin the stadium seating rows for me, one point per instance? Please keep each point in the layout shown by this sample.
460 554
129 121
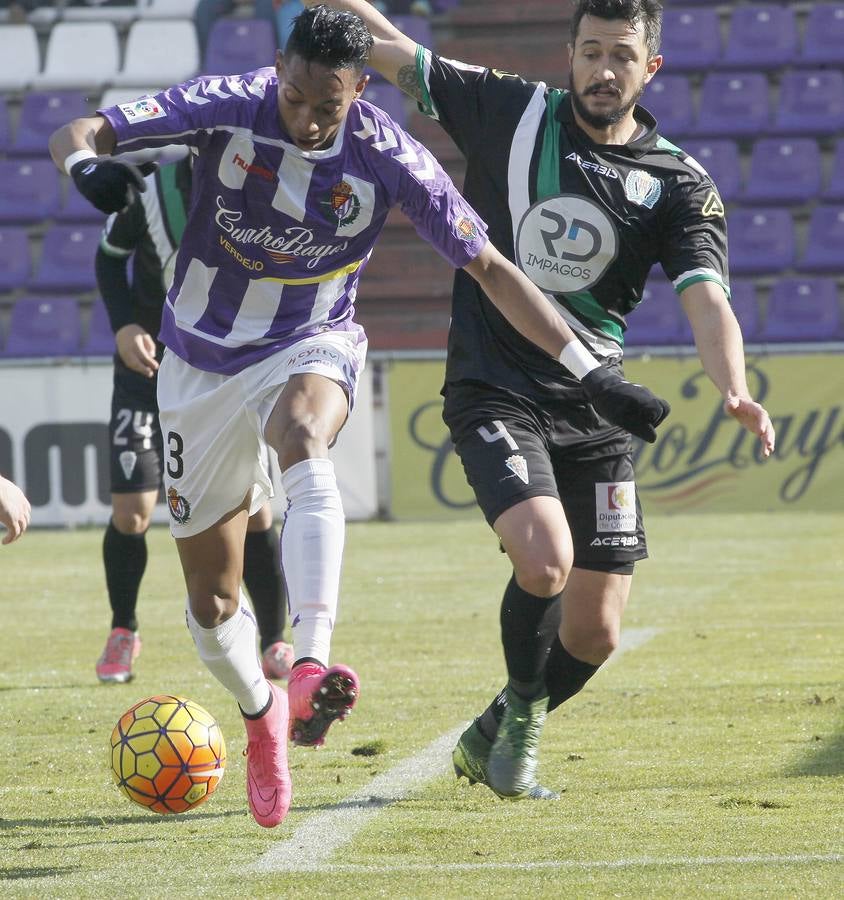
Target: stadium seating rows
755 92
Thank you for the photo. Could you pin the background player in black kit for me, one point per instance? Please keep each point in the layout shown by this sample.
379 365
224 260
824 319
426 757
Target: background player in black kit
580 190
148 231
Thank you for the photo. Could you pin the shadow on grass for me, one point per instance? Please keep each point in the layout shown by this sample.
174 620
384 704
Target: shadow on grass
825 758
15 873
106 821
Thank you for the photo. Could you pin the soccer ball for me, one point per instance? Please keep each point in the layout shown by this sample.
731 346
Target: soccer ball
167 754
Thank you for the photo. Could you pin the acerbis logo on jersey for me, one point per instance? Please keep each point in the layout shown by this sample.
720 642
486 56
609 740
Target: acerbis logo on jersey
712 206
141 110
566 243
597 168
615 506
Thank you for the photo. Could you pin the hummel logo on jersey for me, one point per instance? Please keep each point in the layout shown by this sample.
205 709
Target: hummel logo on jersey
420 163
597 168
253 168
236 87
518 466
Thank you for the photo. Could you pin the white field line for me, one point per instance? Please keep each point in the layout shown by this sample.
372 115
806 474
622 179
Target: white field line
319 837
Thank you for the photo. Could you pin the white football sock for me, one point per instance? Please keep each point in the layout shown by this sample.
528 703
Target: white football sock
229 653
311 554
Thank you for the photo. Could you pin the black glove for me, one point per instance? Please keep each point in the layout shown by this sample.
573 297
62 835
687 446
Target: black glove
109 184
631 406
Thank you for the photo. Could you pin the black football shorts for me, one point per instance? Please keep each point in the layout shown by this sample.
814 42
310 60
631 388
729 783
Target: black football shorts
511 450
137 453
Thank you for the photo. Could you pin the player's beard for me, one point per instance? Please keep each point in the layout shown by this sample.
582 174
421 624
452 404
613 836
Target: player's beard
602 120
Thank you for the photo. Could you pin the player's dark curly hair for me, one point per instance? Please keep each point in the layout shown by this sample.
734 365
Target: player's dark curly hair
339 40
648 12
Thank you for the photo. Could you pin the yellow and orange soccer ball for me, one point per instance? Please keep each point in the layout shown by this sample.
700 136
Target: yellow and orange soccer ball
167 754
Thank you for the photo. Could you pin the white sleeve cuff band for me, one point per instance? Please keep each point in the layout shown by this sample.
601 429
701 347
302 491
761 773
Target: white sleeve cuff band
578 360
76 156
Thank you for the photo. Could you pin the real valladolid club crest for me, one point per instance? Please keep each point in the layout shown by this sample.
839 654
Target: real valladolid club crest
179 507
343 203
642 188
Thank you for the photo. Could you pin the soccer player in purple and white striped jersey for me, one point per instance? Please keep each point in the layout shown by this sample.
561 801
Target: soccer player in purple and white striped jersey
294 175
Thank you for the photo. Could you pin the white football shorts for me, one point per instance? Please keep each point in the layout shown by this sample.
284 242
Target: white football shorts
213 425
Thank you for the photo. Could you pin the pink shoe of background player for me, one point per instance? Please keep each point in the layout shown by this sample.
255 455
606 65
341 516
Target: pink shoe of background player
121 650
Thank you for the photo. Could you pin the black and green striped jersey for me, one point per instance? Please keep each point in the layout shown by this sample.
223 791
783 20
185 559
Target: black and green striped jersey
585 221
149 231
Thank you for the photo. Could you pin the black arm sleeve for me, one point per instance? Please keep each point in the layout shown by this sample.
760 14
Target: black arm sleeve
113 282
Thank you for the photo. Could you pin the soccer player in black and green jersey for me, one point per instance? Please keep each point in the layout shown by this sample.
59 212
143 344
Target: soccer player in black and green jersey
581 191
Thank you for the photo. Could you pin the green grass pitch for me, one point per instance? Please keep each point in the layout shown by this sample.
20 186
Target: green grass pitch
708 761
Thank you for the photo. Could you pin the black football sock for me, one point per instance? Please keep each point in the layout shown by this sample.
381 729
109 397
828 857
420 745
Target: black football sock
565 675
526 644
125 559
262 576
543 628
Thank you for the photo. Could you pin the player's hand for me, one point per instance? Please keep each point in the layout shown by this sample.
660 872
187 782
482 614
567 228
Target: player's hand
15 510
110 184
631 406
137 350
754 417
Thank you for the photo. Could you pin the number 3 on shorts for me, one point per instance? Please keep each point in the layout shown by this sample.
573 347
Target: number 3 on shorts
175 446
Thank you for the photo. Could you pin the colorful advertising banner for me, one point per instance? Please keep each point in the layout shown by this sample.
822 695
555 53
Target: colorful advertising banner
54 442
702 460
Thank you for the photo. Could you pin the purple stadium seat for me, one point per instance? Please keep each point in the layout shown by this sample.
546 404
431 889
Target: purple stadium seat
389 98
811 102
669 99
15 257
67 259
761 241
691 38
239 45
658 319
783 170
733 104
42 112
43 326
825 242
746 307
721 159
76 208
100 338
834 189
5 128
762 36
823 39
31 190
803 309
417 28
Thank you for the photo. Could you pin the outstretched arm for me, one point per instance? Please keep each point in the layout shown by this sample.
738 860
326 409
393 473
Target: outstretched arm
721 350
526 308
14 510
393 53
